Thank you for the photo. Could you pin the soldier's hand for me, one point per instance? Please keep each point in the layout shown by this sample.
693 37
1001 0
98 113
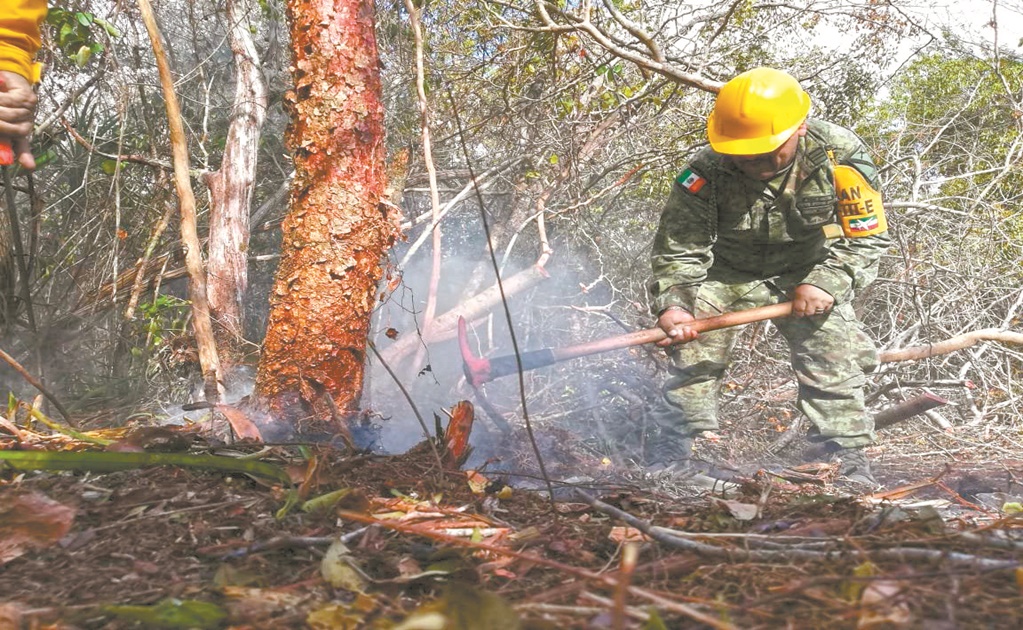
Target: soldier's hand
17 112
674 324
810 301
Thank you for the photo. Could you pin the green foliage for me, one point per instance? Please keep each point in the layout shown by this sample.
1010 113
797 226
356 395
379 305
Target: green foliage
966 94
165 315
959 117
76 33
172 613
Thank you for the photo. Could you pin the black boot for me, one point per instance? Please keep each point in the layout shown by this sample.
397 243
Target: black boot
671 450
854 466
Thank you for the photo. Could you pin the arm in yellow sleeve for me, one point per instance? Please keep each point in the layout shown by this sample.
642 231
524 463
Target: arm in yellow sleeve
20 21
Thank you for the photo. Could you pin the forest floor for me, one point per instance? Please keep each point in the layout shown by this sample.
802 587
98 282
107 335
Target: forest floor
398 542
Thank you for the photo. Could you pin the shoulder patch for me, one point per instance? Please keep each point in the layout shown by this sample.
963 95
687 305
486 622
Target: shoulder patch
691 181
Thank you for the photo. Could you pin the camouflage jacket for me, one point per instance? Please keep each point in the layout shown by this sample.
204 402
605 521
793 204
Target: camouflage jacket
720 224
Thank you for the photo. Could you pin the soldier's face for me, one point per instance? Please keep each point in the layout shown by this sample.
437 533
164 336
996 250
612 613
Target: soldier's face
764 166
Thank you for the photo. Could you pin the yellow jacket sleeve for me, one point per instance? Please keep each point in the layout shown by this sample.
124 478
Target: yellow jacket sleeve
19 36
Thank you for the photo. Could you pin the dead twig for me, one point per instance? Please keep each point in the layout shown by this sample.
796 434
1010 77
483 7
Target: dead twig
202 324
91 148
34 382
415 410
900 554
661 568
292 542
630 553
676 607
580 611
193 508
952 344
430 311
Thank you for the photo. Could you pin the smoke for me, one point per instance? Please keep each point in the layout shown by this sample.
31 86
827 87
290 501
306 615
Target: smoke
576 406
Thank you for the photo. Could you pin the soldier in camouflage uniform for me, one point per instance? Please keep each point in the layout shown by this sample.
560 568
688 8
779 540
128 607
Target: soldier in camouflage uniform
743 228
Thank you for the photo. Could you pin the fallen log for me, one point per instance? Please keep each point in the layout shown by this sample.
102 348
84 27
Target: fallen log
882 419
445 326
907 409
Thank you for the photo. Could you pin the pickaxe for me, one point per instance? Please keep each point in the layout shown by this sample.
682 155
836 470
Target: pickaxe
479 370
6 164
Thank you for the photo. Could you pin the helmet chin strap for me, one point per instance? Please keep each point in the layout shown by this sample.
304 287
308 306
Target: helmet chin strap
785 169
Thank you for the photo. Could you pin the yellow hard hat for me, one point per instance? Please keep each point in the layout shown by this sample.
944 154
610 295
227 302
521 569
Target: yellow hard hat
756 112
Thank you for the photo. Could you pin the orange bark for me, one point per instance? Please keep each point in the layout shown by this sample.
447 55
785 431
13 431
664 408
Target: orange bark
337 230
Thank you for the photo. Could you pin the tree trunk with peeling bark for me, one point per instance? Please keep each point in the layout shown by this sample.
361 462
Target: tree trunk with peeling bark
231 191
337 230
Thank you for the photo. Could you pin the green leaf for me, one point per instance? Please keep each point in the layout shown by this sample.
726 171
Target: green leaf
45 158
852 589
108 27
654 622
290 501
338 569
82 56
172 613
325 501
85 19
553 159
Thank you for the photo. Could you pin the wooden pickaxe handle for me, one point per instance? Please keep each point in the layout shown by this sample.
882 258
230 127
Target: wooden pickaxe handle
479 370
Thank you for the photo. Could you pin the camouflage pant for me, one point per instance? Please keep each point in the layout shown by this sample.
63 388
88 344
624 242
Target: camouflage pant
830 355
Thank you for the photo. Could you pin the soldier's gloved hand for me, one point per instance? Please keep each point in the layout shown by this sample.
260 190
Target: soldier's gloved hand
673 322
808 301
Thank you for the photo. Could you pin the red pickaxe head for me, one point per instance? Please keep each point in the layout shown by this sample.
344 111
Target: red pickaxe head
477 369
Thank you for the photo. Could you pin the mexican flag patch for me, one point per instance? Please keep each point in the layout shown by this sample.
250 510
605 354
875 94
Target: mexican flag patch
863 224
691 181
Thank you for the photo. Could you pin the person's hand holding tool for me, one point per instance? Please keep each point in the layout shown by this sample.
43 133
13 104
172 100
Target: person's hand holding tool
673 321
17 113
811 301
